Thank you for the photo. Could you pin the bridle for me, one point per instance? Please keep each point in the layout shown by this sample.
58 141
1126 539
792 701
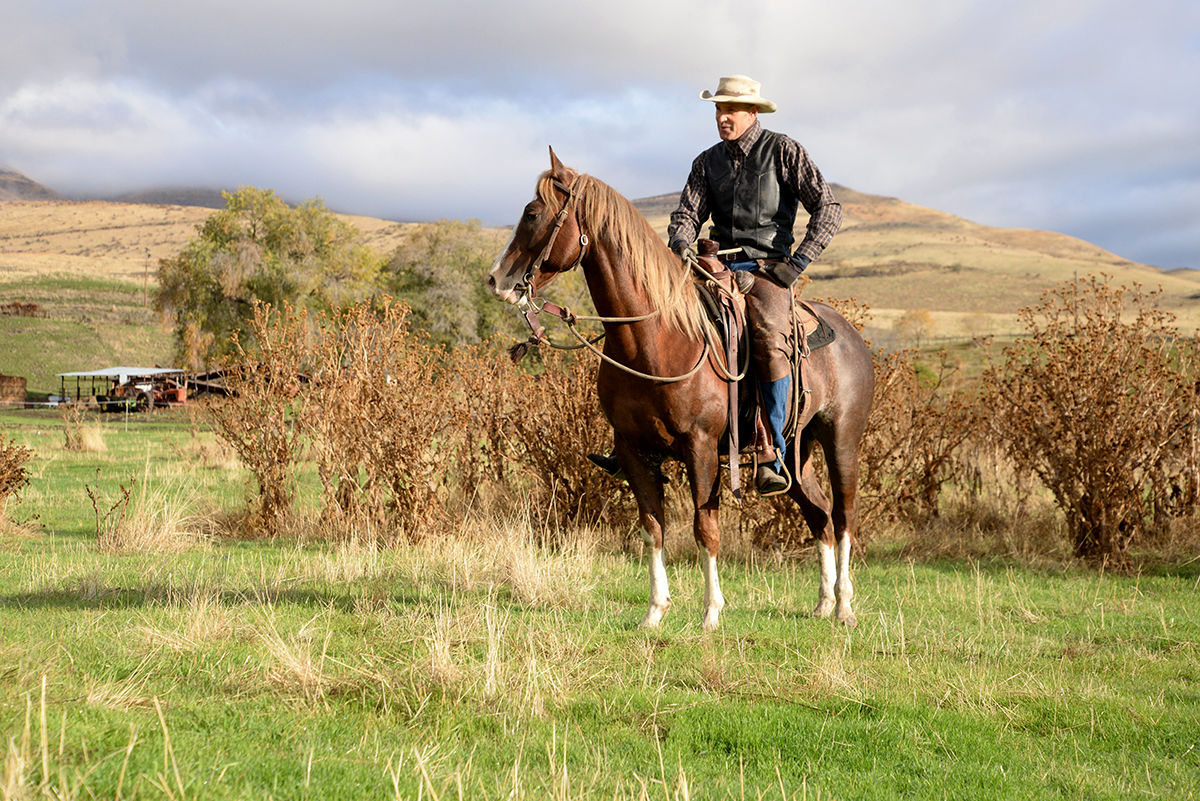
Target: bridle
529 306
525 287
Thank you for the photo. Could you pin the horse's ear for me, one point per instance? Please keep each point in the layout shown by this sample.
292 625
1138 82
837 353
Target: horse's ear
556 167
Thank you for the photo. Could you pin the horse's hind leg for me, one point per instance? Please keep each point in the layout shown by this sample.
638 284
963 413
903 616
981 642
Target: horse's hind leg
841 456
703 475
815 507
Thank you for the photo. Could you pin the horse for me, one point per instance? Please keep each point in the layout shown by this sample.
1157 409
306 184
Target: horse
662 392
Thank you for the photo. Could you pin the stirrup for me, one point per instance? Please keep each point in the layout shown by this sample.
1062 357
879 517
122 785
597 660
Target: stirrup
770 482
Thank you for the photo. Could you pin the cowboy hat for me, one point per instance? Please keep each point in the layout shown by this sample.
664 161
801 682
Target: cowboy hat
739 89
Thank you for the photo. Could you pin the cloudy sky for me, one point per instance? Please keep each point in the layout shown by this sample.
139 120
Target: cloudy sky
1080 116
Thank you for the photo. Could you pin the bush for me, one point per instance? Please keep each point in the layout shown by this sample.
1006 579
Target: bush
379 416
556 422
919 422
1100 403
260 418
13 475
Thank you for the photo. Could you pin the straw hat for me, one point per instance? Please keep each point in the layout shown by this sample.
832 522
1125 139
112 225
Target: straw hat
739 89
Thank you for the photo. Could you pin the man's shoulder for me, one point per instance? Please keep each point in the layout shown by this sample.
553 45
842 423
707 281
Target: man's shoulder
781 139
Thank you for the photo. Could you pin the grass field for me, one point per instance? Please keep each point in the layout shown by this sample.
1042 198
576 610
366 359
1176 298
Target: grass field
481 665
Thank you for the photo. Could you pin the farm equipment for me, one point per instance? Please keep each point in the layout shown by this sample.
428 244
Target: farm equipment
118 389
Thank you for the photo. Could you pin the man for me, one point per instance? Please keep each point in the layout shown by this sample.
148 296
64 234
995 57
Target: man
751 184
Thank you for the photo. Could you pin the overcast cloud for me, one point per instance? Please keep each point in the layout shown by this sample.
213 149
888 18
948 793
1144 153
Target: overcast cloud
1080 116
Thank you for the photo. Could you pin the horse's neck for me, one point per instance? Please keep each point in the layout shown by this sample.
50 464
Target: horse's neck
615 295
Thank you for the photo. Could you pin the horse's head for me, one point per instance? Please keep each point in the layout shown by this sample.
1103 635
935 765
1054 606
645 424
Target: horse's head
547 239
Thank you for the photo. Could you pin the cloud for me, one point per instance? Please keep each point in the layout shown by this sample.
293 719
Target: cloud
1039 114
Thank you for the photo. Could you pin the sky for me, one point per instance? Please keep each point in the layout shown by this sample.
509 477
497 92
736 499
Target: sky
1077 116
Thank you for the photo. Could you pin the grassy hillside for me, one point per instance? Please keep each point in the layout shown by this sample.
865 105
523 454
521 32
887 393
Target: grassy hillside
89 266
896 256
117 240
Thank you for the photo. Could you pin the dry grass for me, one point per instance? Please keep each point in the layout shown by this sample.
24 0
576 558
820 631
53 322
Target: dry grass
112 240
78 435
139 518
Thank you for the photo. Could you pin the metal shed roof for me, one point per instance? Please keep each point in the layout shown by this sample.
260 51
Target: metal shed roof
122 374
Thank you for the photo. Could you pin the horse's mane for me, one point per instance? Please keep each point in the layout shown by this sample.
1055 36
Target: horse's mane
666 281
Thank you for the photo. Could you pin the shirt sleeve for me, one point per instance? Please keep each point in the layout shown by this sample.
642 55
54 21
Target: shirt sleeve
693 206
803 177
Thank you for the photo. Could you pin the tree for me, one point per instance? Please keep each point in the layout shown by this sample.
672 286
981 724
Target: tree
258 248
439 272
915 325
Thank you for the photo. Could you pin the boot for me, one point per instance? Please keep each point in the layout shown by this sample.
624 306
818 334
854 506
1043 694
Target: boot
771 478
606 462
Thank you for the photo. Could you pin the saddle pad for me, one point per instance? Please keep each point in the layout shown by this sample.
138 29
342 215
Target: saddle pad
822 336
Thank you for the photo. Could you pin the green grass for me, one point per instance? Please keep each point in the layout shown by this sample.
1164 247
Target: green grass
482 666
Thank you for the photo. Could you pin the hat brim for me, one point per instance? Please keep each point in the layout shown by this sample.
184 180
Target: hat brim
764 105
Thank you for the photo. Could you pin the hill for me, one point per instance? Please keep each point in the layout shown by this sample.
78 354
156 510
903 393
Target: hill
896 256
892 255
118 240
15 186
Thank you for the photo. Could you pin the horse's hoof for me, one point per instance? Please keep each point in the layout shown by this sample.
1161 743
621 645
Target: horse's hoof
847 619
823 609
653 618
712 621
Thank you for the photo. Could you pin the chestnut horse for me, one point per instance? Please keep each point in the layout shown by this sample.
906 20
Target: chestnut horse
657 330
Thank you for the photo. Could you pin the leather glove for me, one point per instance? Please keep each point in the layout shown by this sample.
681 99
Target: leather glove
786 273
685 251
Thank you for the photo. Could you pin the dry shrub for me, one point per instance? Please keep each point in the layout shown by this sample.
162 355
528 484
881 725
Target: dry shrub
488 456
379 415
374 403
259 419
919 422
13 475
1100 403
555 422
77 435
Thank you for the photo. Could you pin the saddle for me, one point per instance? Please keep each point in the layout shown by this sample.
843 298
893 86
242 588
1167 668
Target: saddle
722 293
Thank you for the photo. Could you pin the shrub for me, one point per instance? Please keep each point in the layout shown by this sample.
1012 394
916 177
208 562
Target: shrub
919 422
556 422
1100 403
13 475
259 419
379 415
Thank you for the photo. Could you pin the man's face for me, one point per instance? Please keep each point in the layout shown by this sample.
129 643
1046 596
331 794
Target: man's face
734 119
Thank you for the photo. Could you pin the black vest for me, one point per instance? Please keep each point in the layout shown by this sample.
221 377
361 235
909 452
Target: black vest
750 209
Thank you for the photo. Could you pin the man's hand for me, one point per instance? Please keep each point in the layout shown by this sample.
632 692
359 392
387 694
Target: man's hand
786 273
685 251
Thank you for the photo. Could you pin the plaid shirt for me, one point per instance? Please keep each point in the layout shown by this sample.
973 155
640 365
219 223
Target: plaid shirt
798 173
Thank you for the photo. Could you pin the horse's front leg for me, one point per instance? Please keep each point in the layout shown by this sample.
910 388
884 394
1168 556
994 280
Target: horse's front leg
647 487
